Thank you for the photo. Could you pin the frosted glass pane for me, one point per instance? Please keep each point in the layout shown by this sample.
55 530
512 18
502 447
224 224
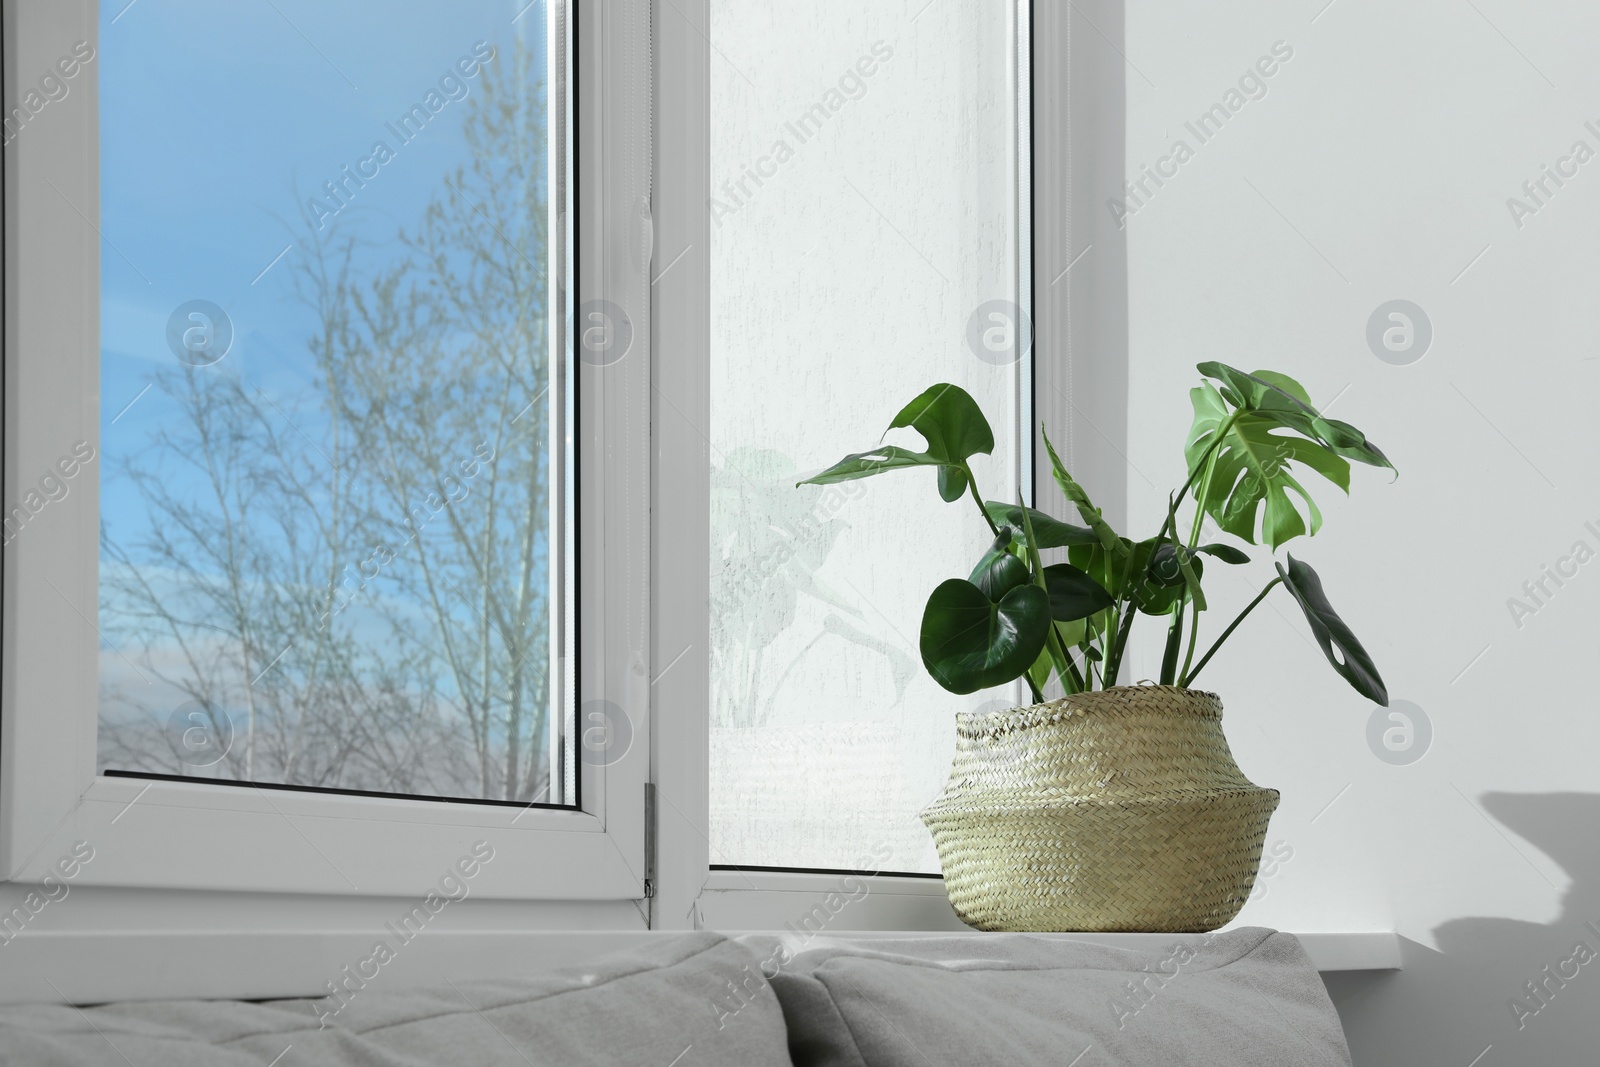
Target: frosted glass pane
866 222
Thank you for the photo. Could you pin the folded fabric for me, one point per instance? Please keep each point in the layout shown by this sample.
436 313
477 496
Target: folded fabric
1242 998
685 1000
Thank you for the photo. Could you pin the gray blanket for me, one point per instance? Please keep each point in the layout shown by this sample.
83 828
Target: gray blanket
1238 999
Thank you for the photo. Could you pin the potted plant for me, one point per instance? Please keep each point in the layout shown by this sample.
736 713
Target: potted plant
1115 807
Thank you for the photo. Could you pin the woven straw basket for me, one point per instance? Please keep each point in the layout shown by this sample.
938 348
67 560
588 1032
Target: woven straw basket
1113 810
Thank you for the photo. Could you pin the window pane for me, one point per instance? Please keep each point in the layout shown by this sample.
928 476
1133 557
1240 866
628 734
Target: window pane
868 242
328 397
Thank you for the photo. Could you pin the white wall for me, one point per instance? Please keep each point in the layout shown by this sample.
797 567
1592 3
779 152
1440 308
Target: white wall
1378 166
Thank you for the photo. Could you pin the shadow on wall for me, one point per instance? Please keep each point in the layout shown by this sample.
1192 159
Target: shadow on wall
1499 992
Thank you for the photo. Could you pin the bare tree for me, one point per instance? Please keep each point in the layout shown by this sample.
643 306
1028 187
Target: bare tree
227 598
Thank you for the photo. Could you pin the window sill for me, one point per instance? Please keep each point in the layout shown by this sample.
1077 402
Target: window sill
99 966
916 907
1338 950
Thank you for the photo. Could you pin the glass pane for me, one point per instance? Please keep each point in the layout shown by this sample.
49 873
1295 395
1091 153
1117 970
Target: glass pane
327 397
868 242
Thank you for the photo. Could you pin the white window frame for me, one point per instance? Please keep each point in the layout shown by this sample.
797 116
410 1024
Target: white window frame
193 836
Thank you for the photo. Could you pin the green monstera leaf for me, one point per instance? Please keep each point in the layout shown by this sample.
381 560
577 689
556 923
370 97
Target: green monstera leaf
1163 583
1001 547
1073 594
985 633
1285 401
954 428
1048 532
1116 547
950 420
1250 483
1145 573
1249 432
952 484
1001 575
1351 661
1226 553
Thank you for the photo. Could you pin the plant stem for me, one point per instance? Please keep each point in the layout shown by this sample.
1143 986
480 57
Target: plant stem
1190 676
1059 656
1072 669
1122 638
1200 506
1205 459
1194 632
972 484
1191 584
1114 655
1038 694
1108 639
1120 625
1169 659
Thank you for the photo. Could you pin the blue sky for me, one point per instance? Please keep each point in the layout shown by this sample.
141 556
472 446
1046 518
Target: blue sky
210 115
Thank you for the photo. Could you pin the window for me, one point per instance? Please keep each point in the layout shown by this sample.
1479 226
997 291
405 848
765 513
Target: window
311 420
390 499
869 238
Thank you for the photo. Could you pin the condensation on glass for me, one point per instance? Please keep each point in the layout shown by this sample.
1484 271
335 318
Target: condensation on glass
869 237
333 418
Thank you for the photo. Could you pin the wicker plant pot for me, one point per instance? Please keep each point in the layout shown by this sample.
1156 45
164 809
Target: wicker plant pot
1114 810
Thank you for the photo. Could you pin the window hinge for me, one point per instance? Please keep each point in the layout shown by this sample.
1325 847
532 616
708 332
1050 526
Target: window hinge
649 839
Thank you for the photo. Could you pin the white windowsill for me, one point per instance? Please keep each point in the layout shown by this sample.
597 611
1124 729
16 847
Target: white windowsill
916 907
1354 950
92 967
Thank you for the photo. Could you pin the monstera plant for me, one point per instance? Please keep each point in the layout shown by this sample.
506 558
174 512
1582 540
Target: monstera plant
1253 437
